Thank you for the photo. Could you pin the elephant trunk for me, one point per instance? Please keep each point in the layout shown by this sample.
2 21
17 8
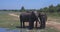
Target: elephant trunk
36 14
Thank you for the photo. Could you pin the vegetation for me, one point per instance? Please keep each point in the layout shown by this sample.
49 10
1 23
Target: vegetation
7 21
49 9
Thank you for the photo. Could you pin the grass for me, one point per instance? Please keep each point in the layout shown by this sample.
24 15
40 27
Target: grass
55 16
7 21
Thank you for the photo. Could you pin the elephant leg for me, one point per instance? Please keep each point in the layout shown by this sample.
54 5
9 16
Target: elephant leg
23 25
42 24
36 24
21 22
31 25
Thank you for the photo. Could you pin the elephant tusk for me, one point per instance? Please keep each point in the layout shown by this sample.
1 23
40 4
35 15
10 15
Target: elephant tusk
39 19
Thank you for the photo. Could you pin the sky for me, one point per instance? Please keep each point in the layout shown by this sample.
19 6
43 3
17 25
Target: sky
28 4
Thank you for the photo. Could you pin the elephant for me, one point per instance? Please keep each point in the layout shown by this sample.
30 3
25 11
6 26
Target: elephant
28 16
33 16
43 18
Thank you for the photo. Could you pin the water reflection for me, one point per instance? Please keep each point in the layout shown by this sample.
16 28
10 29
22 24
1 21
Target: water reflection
34 30
18 30
8 30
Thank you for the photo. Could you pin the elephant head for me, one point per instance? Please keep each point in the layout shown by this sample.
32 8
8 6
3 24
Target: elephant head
36 14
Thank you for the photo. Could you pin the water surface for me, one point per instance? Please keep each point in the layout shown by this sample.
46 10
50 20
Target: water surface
18 30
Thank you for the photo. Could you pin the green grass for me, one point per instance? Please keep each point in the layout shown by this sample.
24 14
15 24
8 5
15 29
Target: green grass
56 15
6 21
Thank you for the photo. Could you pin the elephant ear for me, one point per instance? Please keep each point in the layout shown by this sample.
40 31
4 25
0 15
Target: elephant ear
45 15
36 14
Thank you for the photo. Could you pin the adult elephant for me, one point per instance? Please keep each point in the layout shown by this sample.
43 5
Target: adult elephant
28 16
43 18
33 16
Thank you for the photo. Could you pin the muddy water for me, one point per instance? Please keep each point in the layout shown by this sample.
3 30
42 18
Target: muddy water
9 30
18 30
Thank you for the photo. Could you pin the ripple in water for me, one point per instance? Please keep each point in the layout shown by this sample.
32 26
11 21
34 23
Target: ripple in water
19 30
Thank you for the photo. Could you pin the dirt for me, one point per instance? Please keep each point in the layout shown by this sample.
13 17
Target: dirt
11 14
50 22
53 23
